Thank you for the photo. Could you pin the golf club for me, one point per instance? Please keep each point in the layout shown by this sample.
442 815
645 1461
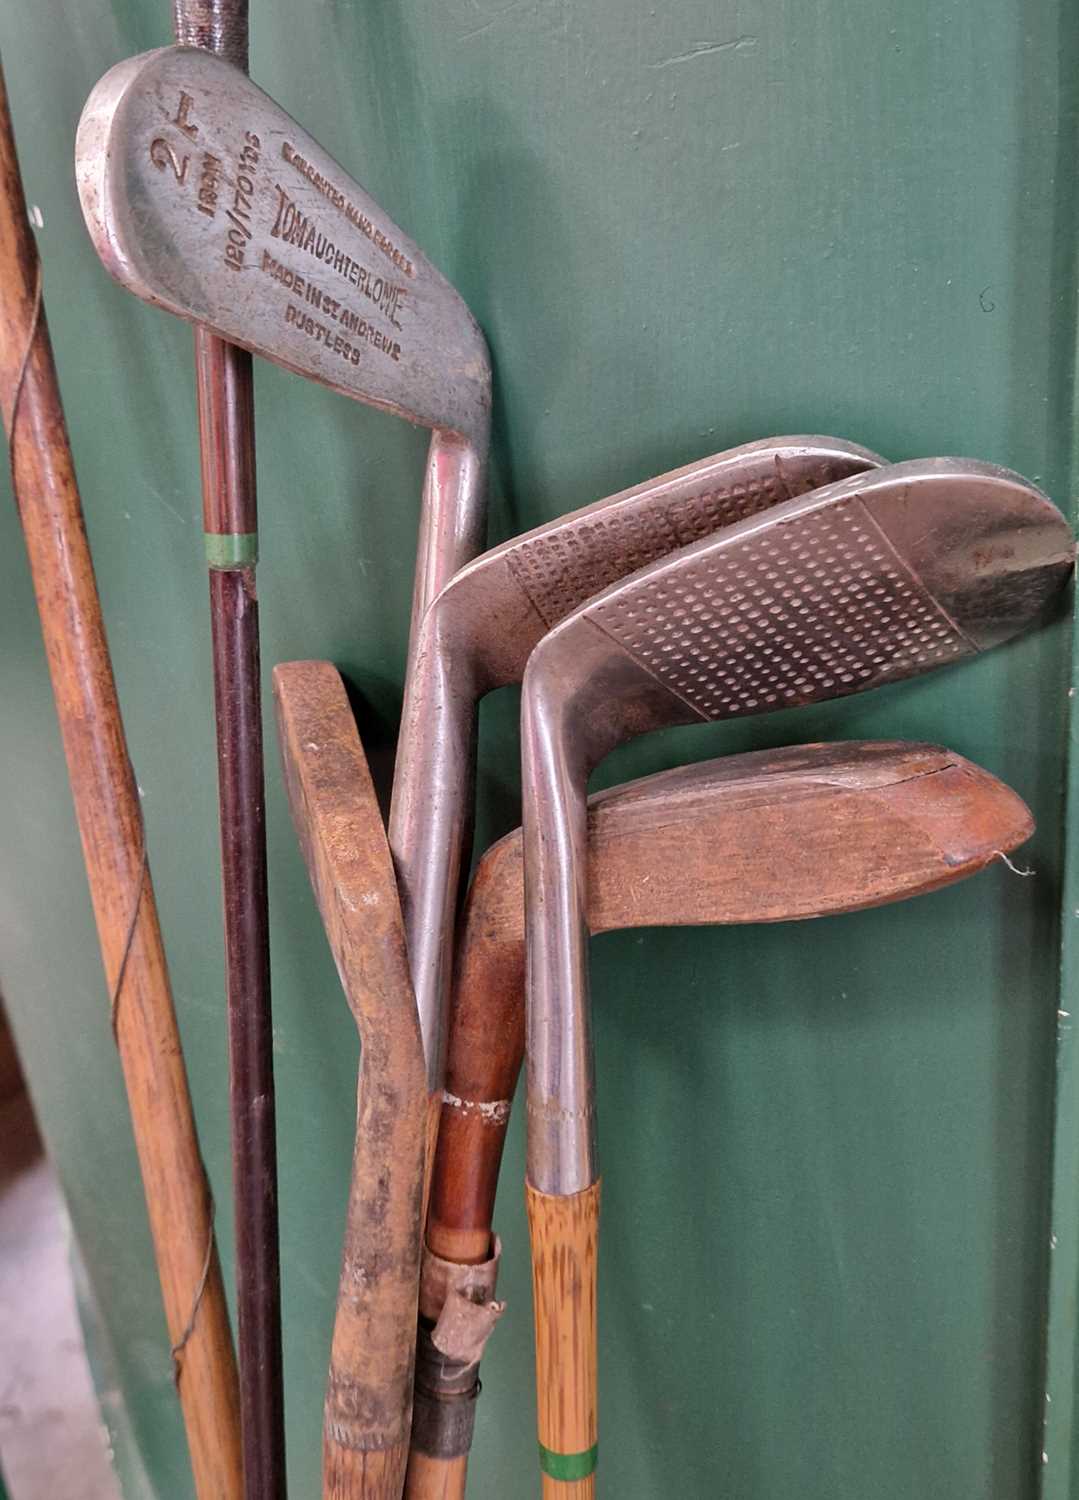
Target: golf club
225 400
770 836
339 824
870 580
477 636
204 197
109 815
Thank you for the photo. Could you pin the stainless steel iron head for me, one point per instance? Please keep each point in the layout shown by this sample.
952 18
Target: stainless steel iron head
204 197
478 633
871 580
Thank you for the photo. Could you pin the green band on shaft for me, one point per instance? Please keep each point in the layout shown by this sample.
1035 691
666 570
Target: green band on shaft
232 549
568 1466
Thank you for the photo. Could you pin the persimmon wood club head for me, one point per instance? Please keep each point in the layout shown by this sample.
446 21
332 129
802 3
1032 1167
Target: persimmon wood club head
868 581
772 836
202 196
477 636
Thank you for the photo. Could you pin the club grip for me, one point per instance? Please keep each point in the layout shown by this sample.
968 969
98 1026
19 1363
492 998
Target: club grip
565 1239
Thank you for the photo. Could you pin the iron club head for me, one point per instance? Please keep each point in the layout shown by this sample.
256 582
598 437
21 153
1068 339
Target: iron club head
866 581
478 633
202 196
870 580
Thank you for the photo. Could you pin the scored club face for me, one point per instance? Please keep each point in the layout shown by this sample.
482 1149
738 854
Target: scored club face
204 197
496 609
867 581
870 580
479 631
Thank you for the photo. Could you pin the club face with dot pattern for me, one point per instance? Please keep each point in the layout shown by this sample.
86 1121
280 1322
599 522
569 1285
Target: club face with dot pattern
479 632
864 582
868 581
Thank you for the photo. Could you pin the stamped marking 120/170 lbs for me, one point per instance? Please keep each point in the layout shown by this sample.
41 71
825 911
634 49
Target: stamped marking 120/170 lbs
204 197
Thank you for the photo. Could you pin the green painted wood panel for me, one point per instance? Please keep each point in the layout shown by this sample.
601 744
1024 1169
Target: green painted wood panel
826 1147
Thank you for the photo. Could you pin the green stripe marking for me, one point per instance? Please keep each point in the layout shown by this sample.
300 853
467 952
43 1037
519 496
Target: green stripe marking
232 549
568 1465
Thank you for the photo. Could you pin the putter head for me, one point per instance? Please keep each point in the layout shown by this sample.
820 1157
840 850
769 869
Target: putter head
205 198
871 580
340 830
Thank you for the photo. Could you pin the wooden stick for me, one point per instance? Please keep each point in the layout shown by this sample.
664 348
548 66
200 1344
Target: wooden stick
758 838
227 441
369 1393
110 825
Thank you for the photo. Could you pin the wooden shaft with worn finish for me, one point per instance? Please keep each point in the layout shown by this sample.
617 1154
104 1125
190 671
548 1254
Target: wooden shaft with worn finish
110 826
770 836
227 442
369 1391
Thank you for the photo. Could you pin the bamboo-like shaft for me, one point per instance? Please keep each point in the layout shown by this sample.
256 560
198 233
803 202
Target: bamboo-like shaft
227 439
565 1233
767 837
110 825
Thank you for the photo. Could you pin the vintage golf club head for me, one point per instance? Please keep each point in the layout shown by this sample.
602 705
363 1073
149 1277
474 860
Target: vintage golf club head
203 197
772 836
339 825
868 581
478 635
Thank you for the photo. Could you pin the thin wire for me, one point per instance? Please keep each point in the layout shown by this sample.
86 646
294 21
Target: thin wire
181 1343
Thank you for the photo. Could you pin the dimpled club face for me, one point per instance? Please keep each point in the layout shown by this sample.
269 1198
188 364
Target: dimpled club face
560 566
800 615
820 600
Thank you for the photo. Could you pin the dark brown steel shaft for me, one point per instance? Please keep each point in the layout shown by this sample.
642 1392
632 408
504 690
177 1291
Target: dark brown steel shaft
227 438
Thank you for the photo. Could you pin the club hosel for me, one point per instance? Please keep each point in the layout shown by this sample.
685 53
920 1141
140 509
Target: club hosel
453 511
576 707
429 824
218 26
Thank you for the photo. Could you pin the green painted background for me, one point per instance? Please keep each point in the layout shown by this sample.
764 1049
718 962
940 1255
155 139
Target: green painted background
826 1147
